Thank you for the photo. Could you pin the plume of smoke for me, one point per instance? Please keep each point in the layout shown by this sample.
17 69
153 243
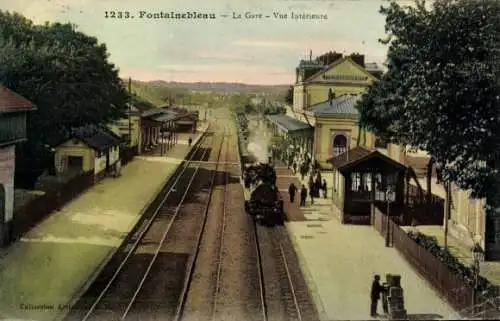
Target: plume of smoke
259 141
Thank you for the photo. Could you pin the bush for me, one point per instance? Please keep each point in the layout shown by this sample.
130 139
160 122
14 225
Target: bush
431 244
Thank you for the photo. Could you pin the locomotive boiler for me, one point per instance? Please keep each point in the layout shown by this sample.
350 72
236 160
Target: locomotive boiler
265 202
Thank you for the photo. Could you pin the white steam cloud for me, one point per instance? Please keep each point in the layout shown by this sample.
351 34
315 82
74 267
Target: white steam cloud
259 140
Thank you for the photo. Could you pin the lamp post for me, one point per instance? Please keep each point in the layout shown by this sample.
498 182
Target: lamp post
477 257
390 196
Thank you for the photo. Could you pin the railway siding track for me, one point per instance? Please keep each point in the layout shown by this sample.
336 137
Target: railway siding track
110 294
159 298
239 295
202 277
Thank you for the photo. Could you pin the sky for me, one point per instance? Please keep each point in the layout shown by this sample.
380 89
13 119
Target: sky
254 51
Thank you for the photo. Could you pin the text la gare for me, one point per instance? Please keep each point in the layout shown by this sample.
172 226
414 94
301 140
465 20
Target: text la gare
247 15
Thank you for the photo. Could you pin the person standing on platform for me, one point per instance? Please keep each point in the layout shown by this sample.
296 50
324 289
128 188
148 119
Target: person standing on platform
291 190
375 295
323 187
303 195
311 190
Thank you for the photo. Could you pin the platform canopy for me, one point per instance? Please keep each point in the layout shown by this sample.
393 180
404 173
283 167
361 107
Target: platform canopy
288 124
359 157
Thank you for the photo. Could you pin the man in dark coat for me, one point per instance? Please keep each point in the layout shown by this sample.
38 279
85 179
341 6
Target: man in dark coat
291 190
303 195
375 295
323 187
190 141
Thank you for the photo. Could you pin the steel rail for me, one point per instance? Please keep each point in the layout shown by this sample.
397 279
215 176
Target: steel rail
164 236
290 282
191 267
143 232
221 242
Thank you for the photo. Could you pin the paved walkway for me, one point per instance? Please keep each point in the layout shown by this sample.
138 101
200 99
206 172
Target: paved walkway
45 271
339 262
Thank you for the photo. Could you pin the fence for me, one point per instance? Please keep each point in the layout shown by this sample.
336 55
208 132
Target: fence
451 286
29 214
417 209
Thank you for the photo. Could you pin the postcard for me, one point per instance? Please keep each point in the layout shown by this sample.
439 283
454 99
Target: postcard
248 160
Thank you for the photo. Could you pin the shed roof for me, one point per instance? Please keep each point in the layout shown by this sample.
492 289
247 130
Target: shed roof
151 112
342 105
97 137
288 123
10 101
166 117
359 155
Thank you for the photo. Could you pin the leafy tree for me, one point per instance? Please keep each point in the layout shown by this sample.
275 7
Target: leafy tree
66 74
289 96
441 92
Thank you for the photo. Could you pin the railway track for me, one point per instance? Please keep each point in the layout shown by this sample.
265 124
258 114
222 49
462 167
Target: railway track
113 296
199 256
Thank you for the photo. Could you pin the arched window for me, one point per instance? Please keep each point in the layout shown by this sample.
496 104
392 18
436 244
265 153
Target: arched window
339 144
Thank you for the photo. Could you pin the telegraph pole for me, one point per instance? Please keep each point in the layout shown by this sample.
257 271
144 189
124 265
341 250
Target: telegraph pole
130 112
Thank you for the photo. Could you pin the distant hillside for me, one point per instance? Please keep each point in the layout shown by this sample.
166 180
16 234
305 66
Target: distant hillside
220 87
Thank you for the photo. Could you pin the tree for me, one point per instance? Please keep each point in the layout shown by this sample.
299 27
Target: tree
441 92
289 96
66 74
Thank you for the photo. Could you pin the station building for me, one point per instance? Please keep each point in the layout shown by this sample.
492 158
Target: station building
322 123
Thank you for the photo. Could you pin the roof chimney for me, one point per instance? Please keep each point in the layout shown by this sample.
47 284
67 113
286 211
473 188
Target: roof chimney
331 96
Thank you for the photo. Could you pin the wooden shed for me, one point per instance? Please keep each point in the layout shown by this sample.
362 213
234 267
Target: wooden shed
362 177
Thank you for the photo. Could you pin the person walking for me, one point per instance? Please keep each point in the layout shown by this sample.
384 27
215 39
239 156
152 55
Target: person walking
311 193
294 167
190 141
375 295
291 190
323 187
303 195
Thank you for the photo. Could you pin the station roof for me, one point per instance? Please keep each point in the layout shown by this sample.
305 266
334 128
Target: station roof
343 105
359 155
287 123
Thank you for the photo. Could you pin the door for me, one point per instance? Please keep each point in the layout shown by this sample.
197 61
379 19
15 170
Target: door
107 160
75 162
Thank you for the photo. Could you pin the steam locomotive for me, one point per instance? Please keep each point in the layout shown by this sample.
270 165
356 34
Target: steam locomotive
265 202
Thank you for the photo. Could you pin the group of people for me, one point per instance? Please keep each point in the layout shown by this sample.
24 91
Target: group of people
315 186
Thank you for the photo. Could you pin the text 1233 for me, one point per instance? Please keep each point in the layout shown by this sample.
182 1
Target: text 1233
117 15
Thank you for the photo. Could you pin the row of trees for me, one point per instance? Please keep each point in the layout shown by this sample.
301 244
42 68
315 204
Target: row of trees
66 74
441 92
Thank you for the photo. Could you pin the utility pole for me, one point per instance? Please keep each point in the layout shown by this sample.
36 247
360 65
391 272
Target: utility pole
447 186
130 112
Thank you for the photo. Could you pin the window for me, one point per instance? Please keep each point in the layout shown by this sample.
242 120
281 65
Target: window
367 182
355 181
339 144
379 187
391 182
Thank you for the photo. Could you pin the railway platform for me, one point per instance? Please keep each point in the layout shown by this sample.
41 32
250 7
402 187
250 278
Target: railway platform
47 270
339 261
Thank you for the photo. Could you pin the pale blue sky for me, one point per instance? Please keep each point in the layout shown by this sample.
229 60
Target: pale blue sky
224 49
